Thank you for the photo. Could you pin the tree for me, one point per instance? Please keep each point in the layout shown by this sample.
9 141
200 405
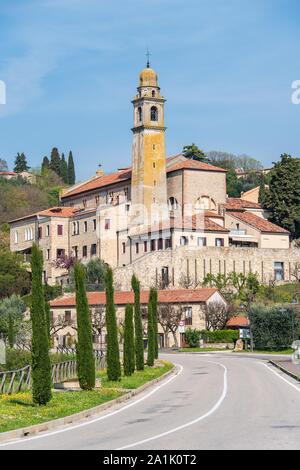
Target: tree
3 165
21 163
154 296
283 199
12 311
194 153
217 315
41 366
71 169
169 316
96 272
48 321
85 354
45 165
129 342
14 279
233 184
139 343
151 332
113 353
64 169
55 162
262 192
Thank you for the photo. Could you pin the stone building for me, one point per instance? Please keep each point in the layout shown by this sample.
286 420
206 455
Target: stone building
163 218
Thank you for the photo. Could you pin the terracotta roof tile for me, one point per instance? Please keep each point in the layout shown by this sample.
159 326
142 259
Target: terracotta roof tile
123 298
194 165
258 222
240 204
238 322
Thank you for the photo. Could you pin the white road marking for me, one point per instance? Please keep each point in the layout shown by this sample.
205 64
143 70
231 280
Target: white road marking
95 420
191 423
282 378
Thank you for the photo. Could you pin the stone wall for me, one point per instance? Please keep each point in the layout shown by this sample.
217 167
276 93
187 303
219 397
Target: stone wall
199 262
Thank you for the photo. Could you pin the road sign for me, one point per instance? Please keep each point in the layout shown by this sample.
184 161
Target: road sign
181 323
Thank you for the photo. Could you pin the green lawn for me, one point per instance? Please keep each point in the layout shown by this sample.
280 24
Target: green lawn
18 411
257 351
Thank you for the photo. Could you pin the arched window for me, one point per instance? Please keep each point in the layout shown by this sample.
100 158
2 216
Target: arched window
173 204
154 113
140 114
16 236
184 241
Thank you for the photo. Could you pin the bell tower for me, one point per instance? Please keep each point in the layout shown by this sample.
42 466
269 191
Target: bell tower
148 185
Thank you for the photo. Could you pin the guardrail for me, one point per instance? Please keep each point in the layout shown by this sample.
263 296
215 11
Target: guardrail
19 380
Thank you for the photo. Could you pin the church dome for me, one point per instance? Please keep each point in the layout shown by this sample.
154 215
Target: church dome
148 77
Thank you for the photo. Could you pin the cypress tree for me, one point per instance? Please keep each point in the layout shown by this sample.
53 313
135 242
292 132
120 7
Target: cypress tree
113 353
129 341
41 366
48 321
139 343
71 169
55 163
151 335
153 294
64 169
45 164
85 354
21 163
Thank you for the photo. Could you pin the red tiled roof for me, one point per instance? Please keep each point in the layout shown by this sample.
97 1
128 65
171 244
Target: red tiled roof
194 165
8 173
125 175
53 212
258 222
240 204
238 322
123 298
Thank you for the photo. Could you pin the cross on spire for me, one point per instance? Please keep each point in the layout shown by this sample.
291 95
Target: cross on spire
148 58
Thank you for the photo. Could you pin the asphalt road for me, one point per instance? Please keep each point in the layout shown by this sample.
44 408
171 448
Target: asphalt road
217 401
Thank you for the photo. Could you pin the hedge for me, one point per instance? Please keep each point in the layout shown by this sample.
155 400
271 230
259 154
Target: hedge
220 336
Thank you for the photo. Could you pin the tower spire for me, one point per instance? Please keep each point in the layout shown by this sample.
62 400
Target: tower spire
148 58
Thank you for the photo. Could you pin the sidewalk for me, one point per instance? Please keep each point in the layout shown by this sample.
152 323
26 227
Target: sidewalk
287 366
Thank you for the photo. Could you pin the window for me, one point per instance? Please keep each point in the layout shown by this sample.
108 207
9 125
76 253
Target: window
153 93
94 224
68 316
160 245
84 203
16 236
145 247
107 224
140 114
48 254
59 230
202 241
28 234
184 241
165 277
85 226
47 230
279 271
219 242
153 245
188 316
123 248
84 251
137 248
172 203
154 183
75 251
97 200
154 164
60 253
93 249
154 113
75 230
168 243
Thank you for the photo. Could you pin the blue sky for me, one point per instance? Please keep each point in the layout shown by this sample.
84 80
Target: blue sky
71 69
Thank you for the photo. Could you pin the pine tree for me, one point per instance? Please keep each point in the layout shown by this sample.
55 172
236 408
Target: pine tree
64 169
194 153
151 335
45 165
85 354
55 164
113 353
129 342
41 366
71 169
21 163
139 343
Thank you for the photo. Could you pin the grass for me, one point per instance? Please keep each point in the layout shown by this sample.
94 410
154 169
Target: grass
18 411
192 350
258 351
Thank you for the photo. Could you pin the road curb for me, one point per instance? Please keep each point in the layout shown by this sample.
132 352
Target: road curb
77 417
287 372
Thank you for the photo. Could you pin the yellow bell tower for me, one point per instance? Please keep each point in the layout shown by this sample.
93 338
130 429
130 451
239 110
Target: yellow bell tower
148 185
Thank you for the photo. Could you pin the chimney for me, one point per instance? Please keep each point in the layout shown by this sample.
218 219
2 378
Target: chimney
99 173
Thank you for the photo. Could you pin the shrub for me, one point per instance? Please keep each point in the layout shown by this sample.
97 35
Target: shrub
220 336
192 337
272 328
17 359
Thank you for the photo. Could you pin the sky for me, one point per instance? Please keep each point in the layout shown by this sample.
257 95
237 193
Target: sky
71 67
